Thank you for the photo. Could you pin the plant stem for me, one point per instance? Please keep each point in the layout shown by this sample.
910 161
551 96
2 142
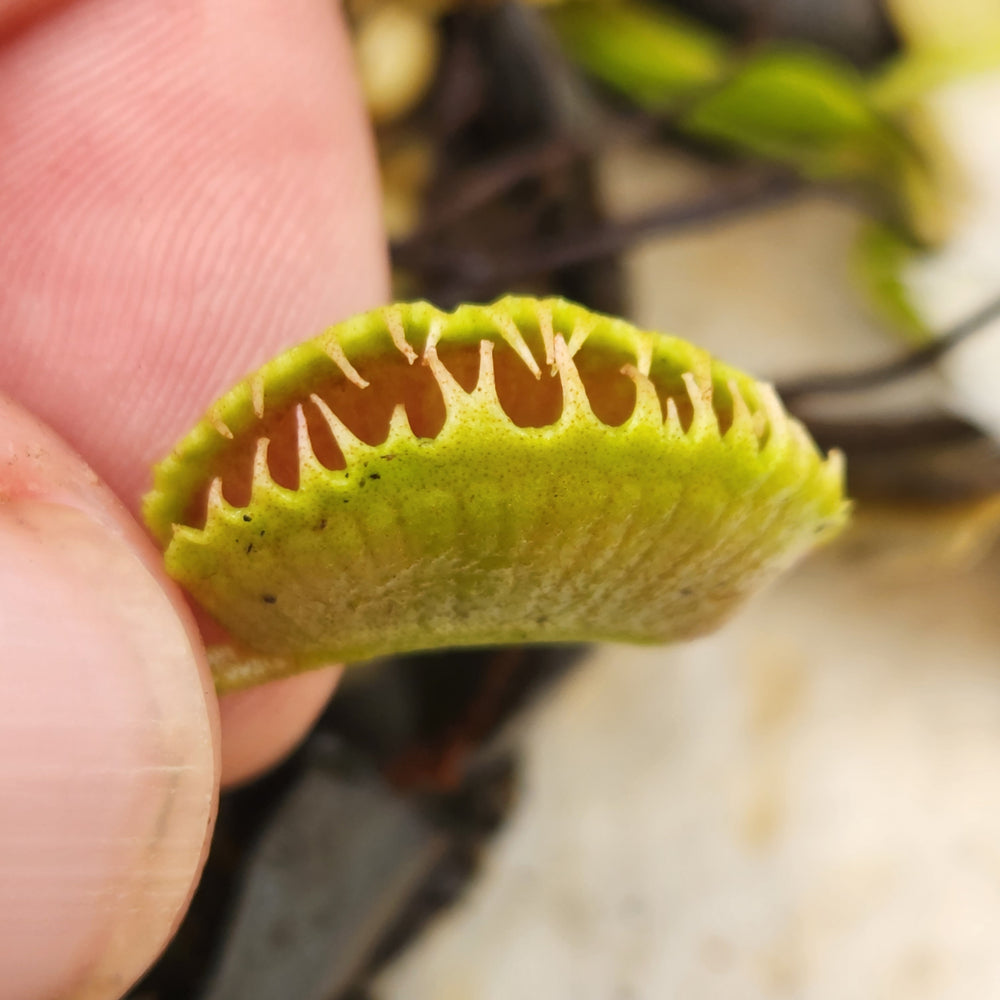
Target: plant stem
482 269
890 371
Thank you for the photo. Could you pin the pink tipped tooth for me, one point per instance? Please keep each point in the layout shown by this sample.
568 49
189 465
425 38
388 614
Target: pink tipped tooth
309 464
673 422
455 397
704 418
545 328
434 332
777 419
647 401
332 348
399 424
394 324
582 329
221 427
701 371
257 395
644 355
216 507
216 503
801 436
349 444
515 339
742 424
835 469
486 382
801 444
261 472
576 403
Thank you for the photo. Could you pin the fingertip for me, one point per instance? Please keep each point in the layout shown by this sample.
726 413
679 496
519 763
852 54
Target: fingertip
108 768
262 725
191 188
15 14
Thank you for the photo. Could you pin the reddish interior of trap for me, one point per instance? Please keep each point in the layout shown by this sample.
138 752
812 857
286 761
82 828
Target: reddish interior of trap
528 401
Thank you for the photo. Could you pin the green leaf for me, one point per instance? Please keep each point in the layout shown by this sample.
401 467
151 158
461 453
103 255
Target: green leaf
803 108
654 56
880 255
799 108
816 115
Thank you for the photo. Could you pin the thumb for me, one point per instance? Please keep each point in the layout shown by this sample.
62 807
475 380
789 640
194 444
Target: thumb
108 732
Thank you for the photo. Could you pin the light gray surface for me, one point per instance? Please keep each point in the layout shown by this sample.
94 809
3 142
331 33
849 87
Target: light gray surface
302 930
805 805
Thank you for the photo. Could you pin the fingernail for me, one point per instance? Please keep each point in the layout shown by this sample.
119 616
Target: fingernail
108 773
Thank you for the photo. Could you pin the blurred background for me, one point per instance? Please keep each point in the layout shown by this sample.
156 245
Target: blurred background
807 804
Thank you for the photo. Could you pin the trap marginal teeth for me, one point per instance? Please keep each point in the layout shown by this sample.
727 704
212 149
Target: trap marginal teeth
525 471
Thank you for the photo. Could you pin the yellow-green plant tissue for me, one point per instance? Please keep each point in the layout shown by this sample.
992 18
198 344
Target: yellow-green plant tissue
521 472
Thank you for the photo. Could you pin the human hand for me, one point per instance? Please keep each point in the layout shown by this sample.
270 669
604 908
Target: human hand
185 189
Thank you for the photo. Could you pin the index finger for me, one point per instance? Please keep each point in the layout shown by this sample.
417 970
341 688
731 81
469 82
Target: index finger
189 189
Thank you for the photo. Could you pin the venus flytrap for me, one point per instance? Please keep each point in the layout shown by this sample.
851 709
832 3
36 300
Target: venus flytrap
520 472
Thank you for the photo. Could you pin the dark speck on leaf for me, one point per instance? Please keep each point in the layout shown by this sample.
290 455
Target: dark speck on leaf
250 548
322 524
268 598
247 517
262 533
375 475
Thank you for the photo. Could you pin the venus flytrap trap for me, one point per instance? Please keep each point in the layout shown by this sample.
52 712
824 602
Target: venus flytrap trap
520 472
